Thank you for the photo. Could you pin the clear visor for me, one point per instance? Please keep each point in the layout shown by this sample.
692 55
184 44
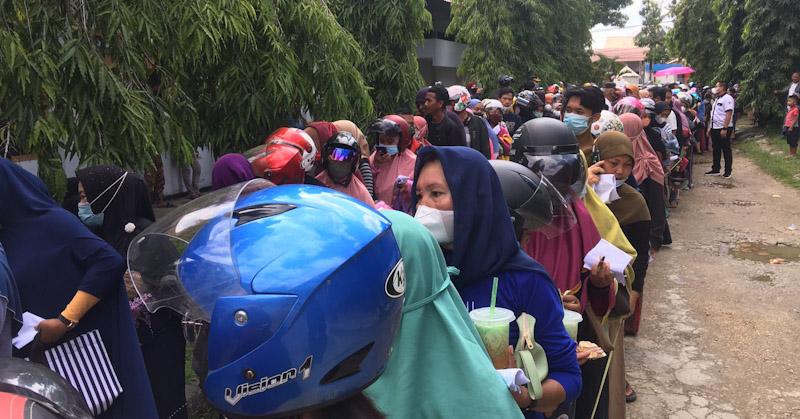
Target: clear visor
560 175
183 261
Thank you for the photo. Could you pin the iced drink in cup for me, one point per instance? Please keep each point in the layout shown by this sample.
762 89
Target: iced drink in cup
493 329
571 320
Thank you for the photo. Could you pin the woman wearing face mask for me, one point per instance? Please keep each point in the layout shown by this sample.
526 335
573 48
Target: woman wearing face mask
459 199
72 278
434 313
630 209
391 159
123 205
340 158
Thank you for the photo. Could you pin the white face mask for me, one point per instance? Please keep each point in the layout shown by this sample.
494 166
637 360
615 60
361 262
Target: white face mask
660 119
620 182
715 91
439 223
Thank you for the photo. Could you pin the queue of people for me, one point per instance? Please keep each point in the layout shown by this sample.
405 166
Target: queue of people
493 202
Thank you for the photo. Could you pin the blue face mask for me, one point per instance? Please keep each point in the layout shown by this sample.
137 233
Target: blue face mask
89 218
577 123
391 149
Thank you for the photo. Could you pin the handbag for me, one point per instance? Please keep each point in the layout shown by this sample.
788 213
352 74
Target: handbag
530 356
84 363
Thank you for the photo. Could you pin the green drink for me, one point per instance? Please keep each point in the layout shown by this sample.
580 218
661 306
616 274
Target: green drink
493 329
571 321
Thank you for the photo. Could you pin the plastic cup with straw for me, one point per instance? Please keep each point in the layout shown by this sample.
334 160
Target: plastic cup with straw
492 324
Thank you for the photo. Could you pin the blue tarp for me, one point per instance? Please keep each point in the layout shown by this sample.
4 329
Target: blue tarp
659 67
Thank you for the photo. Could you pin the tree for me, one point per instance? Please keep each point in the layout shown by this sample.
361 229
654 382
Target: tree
605 68
74 74
483 27
694 37
607 12
770 44
388 32
731 15
652 34
547 38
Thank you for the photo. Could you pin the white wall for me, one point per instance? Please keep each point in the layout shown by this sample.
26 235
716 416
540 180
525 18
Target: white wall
172 175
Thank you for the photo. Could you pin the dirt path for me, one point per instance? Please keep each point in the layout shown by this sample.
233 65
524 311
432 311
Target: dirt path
719 336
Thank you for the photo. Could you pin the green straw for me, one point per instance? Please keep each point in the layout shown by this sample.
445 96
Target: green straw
494 296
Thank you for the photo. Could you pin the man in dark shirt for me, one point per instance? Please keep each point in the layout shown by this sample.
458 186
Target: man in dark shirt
506 96
444 127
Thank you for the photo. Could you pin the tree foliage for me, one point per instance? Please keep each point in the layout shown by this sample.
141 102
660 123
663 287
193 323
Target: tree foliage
546 38
731 23
74 74
609 12
770 44
388 32
694 38
652 35
483 28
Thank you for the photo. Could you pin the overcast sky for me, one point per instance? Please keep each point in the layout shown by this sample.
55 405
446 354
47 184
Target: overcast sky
632 27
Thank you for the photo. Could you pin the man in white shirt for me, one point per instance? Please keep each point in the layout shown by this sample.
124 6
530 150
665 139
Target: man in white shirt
720 130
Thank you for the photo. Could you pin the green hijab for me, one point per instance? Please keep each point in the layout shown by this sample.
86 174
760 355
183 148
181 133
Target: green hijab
438 367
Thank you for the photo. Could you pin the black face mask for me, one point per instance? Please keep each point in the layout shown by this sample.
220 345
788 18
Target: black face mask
341 172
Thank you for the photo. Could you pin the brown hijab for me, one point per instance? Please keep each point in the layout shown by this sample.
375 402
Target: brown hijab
630 207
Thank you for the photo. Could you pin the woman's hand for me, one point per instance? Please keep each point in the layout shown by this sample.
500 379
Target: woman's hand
594 172
51 330
522 398
583 357
600 275
571 302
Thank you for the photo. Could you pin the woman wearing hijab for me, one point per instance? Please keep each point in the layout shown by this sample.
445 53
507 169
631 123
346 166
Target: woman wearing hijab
392 160
364 169
458 198
73 279
420 134
230 169
121 200
616 152
649 174
417 375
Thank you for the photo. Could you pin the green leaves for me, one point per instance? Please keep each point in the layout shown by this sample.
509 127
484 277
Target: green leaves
652 34
78 75
695 38
521 38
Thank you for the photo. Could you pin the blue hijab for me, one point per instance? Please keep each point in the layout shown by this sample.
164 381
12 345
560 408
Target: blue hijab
484 243
53 255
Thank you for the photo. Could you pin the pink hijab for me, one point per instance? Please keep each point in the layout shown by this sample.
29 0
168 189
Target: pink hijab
356 188
386 173
646 162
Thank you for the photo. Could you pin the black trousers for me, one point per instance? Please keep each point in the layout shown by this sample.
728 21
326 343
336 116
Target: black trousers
722 145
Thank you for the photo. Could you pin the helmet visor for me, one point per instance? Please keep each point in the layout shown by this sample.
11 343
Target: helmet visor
342 154
183 261
548 211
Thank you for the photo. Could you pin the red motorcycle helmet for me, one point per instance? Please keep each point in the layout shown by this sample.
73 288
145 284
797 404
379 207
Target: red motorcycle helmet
281 164
298 138
406 132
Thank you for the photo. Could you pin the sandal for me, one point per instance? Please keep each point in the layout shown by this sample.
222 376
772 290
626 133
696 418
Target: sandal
629 397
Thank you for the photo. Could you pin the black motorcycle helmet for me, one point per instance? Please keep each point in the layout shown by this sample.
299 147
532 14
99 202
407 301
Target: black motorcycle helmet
340 157
549 148
505 80
528 199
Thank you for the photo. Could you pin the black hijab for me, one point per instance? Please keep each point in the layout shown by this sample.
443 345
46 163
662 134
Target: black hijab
131 204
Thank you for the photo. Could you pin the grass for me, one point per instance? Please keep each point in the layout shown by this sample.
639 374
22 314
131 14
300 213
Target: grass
768 152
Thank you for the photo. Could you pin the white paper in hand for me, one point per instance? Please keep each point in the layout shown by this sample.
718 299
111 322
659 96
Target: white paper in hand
616 258
606 189
28 330
514 378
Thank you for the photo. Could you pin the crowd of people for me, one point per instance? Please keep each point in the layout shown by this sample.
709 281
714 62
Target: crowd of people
492 200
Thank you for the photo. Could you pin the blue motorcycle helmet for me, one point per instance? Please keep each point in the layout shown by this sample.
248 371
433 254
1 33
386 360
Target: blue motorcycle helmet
301 289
